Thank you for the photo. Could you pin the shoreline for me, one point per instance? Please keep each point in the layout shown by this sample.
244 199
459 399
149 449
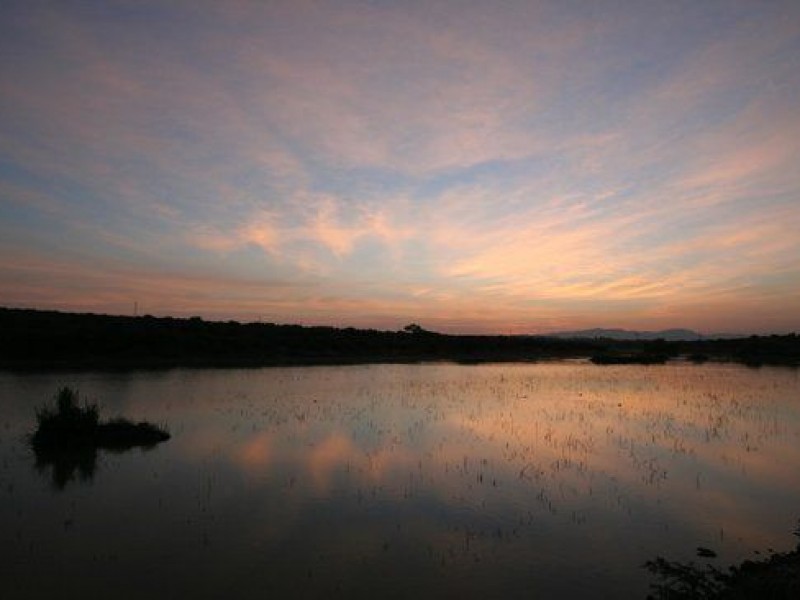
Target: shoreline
49 340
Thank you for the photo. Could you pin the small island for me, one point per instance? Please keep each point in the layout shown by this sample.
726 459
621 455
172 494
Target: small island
70 426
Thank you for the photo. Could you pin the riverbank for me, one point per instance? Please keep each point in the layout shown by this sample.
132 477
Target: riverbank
55 340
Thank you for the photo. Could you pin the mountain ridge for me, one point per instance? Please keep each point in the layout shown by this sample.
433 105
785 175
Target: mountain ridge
674 334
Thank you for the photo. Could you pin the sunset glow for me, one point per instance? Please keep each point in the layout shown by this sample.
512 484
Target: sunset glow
472 167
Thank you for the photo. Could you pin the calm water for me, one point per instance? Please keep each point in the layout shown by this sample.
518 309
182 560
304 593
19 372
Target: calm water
492 481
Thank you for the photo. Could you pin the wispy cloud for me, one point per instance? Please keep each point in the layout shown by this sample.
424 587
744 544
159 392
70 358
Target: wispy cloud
522 168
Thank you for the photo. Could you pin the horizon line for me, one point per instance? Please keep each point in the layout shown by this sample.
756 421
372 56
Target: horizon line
261 321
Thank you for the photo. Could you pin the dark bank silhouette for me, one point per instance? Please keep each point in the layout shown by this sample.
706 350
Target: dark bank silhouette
49 339
644 358
69 436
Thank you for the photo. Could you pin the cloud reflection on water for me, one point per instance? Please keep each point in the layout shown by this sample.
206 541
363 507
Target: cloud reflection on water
567 440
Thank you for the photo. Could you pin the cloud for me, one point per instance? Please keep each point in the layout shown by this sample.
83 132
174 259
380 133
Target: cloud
382 87
483 168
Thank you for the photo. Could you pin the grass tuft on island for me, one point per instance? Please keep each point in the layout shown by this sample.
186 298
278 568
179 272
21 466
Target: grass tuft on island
71 426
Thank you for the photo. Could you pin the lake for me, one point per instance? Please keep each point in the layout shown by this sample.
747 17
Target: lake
388 481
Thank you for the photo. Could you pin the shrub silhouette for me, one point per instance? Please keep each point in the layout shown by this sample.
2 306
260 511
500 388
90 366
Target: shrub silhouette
775 577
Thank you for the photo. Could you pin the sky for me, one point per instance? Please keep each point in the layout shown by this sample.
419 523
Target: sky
474 167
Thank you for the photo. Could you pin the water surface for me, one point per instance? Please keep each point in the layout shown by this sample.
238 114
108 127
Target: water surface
439 480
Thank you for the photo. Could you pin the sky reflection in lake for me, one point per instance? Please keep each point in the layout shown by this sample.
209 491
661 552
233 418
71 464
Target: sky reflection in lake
391 480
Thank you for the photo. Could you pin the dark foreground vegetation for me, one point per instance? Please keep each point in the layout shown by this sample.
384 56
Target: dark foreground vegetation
775 577
48 339
68 437
642 358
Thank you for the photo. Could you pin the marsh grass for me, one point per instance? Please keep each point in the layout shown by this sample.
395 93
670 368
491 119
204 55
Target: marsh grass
68 422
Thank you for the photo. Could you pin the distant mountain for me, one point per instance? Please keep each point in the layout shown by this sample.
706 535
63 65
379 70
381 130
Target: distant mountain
674 335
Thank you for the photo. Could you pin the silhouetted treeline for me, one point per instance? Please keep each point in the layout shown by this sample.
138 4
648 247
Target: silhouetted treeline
49 339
